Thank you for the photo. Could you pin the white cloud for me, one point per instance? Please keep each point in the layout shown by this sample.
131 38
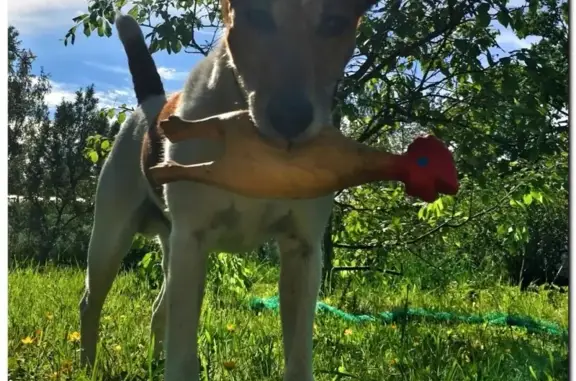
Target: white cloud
116 97
59 93
509 41
108 68
171 74
166 73
107 98
34 16
27 7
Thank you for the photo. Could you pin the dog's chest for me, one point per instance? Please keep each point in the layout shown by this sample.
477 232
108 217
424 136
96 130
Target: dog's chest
245 224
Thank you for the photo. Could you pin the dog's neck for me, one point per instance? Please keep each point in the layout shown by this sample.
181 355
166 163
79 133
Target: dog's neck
213 87
224 70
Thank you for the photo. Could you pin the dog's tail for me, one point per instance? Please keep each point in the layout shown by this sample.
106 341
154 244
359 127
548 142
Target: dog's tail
145 76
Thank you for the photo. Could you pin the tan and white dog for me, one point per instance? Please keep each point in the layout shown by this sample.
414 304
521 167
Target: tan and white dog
281 59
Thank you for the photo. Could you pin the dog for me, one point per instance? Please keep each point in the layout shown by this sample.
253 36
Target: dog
281 60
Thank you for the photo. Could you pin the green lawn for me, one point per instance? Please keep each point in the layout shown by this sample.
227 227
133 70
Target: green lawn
240 344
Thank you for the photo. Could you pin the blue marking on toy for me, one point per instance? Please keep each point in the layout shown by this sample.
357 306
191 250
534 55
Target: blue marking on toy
422 161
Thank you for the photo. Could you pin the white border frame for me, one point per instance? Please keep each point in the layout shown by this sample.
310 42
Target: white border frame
4 192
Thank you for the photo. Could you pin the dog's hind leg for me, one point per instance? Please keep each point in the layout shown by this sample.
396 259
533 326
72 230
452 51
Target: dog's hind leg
108 246
116 221
161 228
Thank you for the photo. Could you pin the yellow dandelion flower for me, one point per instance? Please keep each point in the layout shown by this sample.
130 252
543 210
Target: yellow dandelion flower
27 340
347 332
117 347
393 326
74 336
229 365
230 327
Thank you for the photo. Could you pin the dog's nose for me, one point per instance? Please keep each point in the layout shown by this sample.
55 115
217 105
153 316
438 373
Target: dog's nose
290 113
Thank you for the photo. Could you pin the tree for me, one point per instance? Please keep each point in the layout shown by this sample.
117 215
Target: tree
49 169
61 180
27 111
26 107
436 67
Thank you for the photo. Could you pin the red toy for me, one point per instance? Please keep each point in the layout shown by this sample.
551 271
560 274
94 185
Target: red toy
254 167
429 169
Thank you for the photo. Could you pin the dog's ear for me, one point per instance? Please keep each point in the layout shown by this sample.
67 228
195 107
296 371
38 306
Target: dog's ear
226 12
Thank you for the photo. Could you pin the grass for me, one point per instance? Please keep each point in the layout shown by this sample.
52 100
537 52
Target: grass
237 343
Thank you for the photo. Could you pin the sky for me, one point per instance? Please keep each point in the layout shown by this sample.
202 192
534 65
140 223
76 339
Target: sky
91 60
102 61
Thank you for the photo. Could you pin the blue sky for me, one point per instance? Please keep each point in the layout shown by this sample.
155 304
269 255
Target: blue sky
101 61
98 60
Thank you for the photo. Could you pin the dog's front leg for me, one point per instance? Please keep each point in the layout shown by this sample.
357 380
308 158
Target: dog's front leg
184 294
300 272
300 276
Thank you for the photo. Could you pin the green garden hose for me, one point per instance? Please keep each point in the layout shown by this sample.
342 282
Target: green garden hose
492 318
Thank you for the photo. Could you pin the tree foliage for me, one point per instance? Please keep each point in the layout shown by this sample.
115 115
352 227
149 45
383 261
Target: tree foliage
420 67
51 182
26 107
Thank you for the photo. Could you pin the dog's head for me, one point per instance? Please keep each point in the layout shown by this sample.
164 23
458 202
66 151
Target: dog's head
289 55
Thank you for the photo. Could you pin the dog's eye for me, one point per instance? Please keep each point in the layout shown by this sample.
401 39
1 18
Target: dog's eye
261 19
332 26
